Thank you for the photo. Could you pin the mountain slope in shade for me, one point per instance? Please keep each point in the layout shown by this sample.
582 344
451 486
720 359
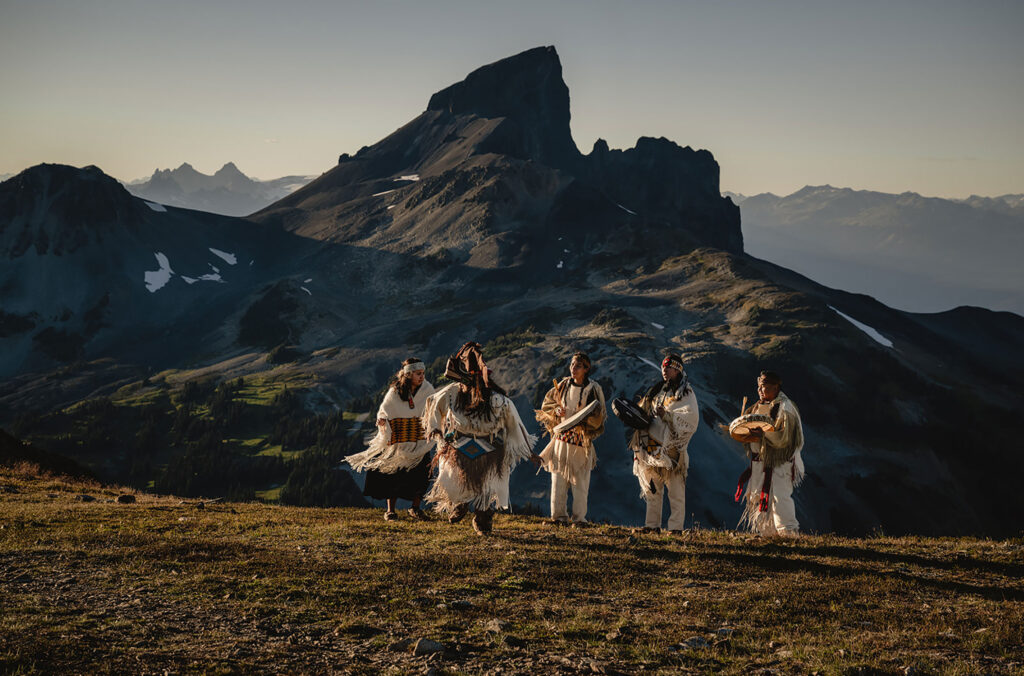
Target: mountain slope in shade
918 253
454 228
228 191
88 269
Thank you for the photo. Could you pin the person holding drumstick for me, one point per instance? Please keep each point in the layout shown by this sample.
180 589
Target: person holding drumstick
775 463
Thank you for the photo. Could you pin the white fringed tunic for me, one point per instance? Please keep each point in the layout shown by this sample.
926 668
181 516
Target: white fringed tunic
504 431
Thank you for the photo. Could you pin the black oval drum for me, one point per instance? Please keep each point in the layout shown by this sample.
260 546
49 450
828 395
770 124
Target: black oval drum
630 414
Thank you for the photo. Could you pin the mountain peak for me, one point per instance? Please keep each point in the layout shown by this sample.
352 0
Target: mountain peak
58 208
526 89
229 170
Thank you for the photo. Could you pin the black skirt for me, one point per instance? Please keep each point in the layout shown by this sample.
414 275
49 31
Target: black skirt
407 484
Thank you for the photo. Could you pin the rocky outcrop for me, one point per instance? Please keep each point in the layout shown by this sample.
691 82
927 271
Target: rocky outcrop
660 181
528 91
504 123
56 209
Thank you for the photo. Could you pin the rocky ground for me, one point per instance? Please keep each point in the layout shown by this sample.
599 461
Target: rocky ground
98 579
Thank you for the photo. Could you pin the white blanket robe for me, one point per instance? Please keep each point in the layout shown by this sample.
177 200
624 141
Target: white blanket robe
780 519
381 454
570 465
673 430
448 491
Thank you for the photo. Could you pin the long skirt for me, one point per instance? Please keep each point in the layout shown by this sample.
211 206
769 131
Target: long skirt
408 484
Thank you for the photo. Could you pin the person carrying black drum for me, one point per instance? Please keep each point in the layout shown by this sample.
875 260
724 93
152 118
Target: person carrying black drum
660 458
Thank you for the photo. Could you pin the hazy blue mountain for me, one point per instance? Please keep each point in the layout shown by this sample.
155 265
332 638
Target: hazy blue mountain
917 253
228 191
1007 204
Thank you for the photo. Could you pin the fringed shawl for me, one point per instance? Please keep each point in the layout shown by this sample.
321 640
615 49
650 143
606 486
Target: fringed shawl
388 451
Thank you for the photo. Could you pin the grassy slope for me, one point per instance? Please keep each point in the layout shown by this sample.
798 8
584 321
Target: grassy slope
239 587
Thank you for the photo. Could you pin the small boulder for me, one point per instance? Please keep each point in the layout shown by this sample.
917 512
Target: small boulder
693 642
496 626
85 498
126 499
427 647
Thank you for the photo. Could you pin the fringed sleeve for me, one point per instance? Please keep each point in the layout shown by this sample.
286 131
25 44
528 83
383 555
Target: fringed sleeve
594 423
434 412
518 442
785 442
546 415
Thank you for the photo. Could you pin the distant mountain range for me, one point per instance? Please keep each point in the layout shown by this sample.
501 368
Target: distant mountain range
481 220
923 254
228 191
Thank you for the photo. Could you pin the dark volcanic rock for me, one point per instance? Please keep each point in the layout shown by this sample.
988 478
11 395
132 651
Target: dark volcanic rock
528 91
659 180
499 174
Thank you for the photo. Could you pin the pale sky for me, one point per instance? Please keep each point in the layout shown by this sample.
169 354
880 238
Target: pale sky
880 95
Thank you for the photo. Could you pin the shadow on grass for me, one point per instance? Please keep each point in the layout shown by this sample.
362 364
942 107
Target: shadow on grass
772 563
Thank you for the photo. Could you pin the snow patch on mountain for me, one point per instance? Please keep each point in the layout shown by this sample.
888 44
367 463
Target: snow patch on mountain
874 334
154 206
157 279
649 362
229 258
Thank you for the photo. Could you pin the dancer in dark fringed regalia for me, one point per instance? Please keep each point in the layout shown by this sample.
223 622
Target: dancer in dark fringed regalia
397 461
480 439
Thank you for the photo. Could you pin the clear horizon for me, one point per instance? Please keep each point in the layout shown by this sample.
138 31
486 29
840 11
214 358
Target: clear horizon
921 96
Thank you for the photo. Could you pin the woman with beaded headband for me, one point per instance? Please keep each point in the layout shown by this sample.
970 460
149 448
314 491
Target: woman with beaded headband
660 457
397 461
480 439
573 413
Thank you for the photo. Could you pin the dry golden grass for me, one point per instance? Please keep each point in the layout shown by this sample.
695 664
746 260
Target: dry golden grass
162 585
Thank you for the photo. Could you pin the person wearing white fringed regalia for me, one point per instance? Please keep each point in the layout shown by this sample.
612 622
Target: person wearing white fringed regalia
570 455
480 439
397 461
776 466
660 456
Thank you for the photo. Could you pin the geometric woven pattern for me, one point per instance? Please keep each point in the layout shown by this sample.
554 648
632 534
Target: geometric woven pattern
573 436
405 430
